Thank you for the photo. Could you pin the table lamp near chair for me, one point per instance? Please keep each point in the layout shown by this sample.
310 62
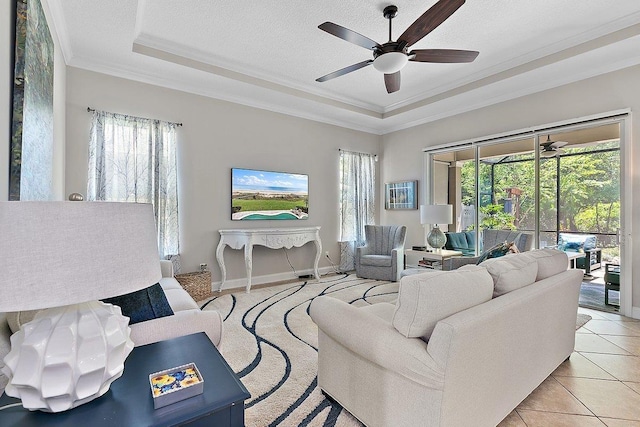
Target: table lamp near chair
63 257
436 215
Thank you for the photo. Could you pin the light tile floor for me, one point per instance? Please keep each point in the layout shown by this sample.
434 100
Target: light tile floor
598 386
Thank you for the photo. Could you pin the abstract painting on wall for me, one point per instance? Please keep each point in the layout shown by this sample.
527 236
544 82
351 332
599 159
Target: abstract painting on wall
31 152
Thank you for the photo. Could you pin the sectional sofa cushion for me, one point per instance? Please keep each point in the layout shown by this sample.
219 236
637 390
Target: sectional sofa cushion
550 262
511 272
464 241
424 299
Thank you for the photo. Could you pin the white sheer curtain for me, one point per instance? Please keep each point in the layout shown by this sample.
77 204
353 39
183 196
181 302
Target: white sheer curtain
357 202
133 159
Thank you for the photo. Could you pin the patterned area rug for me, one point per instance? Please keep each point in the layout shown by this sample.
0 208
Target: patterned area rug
581 320
272 343
592 296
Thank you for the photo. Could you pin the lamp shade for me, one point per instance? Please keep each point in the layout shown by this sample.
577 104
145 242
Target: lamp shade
436 214
61 253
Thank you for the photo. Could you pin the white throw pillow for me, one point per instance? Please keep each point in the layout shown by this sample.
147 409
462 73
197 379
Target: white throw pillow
511 272
425 299
550 262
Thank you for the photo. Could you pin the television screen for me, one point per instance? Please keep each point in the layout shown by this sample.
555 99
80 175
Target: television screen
257 194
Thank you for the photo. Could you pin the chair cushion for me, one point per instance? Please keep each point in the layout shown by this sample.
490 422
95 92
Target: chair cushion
511 272
576 242
425 299
376 260
145 304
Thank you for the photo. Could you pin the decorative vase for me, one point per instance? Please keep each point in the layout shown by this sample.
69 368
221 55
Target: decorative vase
436 238
67 356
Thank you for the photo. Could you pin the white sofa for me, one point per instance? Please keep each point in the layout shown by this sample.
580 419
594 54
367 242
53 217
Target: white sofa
459 348
187 319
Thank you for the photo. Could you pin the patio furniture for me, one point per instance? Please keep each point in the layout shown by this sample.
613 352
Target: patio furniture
585 243
465 243
611 280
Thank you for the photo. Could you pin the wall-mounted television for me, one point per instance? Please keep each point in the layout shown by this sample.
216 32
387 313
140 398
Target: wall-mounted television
258 194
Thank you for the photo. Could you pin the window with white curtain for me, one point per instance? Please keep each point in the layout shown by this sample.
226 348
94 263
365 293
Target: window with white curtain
357 202
133 159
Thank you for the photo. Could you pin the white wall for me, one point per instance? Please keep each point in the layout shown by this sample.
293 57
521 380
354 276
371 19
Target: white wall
6 86
215 137
609 92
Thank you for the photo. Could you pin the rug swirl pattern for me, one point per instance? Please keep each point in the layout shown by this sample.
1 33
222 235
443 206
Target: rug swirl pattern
271 342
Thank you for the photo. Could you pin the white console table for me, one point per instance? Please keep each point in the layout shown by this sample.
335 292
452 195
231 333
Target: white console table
274 238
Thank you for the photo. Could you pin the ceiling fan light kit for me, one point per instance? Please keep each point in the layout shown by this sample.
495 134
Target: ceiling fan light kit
389 63
391 57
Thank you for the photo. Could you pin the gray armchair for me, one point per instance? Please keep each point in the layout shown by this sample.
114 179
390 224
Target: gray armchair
382 256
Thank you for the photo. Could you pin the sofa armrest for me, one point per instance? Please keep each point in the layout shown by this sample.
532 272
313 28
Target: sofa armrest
376 340
181 323
166 267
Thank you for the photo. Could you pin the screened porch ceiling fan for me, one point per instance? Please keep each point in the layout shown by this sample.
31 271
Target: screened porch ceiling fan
552 148
390 57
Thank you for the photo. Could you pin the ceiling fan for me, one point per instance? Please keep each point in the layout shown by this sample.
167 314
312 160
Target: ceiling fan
390 57
552 148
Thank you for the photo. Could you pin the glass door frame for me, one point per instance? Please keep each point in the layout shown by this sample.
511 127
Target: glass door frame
622 118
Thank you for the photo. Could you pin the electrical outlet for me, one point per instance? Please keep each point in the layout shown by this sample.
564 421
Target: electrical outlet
326 254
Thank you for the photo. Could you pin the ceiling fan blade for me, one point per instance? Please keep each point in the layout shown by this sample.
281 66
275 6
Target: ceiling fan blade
443 55
344 71
392 82
558 144
348 35
430 20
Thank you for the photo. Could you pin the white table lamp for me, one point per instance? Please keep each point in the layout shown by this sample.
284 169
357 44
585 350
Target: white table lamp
63 257
436 215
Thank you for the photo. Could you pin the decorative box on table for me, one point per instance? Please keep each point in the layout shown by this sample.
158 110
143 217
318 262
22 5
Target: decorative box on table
197 284
179 383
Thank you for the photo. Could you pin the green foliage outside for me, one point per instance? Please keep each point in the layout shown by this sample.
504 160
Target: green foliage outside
494 217
589 190
269 204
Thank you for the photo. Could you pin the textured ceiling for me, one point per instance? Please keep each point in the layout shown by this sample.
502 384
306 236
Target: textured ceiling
268 53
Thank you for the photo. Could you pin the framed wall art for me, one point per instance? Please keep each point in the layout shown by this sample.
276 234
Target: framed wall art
401 195
31 152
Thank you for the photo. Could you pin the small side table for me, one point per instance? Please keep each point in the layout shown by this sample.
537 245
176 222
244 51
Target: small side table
197 284
129 403
413 257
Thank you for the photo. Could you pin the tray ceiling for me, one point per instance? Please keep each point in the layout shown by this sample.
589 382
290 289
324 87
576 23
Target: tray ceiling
268 53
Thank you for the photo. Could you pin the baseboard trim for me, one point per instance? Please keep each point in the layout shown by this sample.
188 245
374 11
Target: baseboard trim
635 312
270 278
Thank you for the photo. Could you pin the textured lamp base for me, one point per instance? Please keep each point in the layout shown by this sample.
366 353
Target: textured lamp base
67 356
436 238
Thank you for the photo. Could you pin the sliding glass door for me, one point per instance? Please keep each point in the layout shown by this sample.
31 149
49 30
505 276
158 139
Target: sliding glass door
561 187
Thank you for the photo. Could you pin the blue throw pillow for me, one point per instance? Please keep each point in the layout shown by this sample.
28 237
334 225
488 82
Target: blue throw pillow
145 304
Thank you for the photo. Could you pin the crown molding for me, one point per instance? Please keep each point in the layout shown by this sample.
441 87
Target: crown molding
262 103
602 36
168 50
58 24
